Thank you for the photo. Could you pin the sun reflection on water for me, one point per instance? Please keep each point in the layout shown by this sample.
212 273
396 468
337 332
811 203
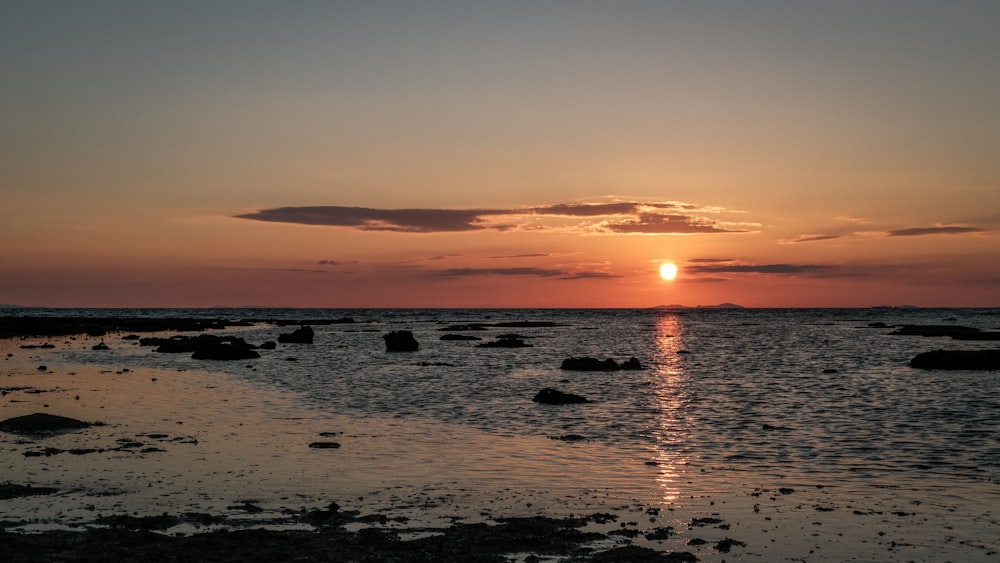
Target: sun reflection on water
671 390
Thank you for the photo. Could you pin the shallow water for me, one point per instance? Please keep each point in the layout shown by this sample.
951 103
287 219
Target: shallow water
731 401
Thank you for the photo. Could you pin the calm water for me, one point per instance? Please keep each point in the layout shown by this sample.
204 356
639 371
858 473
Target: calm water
817 392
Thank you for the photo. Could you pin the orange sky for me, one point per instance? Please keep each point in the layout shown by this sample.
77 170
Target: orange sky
514 154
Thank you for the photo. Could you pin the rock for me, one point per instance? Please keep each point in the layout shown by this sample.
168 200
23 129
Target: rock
506 341
637 554
224 352
12 490
550 396
41 423
953 331
269 345
724 545
301 335
324 445
400 341
204 347
593 364
958 360
459 337
129 522
101 346
569 438
632 364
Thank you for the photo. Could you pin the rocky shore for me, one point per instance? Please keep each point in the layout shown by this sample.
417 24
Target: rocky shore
526 539
132 462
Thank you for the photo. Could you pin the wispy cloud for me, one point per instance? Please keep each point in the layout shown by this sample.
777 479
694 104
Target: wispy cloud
536 272
652 223
618 217
939 230
814 238
758 268
532 255
717 266
368 219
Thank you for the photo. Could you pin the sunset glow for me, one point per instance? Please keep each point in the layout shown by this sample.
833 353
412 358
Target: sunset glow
500 155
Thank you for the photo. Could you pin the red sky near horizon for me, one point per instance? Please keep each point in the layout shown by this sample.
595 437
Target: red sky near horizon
508 154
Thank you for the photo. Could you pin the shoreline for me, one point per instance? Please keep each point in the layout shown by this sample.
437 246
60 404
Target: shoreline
228 464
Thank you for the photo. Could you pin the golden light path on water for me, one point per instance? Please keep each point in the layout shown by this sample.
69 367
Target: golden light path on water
671 394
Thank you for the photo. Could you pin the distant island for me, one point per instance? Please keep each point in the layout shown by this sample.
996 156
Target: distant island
719 306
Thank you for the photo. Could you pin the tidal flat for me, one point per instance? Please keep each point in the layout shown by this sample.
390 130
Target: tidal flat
190 459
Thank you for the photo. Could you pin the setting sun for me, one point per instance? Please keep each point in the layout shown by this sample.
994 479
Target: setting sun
668 271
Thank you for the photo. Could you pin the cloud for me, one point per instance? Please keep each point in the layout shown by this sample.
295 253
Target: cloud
462 272
533 255
336 263
367 219
814 238
940 230
589 276
537 272
619 217
710 260
651 223
776 269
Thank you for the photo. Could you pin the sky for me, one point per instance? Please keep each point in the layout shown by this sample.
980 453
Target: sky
550 153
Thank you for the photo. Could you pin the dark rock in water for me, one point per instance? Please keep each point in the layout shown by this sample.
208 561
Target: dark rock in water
269 345
550 396
11 490
400 341
324 445
637 554
224 352
569 438
506 341
830 371
204 347
129 522
982 335
593 364
724 545
188 344
958 360
631 363
459 337
41 423
301 335
101 346
590 364
953 331
247 507
473 326
659 534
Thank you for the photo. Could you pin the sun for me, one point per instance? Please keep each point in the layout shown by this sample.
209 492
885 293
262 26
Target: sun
668 271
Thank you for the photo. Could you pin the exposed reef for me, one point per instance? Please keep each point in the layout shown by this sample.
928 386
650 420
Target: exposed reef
958 360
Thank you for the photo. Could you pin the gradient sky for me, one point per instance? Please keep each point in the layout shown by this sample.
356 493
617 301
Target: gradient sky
499 154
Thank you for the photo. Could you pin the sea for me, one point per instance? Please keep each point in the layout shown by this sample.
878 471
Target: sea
730 402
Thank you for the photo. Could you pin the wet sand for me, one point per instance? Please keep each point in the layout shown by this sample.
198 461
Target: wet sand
195 464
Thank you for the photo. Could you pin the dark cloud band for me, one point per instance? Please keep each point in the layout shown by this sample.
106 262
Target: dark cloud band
614 218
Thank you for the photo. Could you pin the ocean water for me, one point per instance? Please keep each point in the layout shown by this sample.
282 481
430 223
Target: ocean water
729 401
